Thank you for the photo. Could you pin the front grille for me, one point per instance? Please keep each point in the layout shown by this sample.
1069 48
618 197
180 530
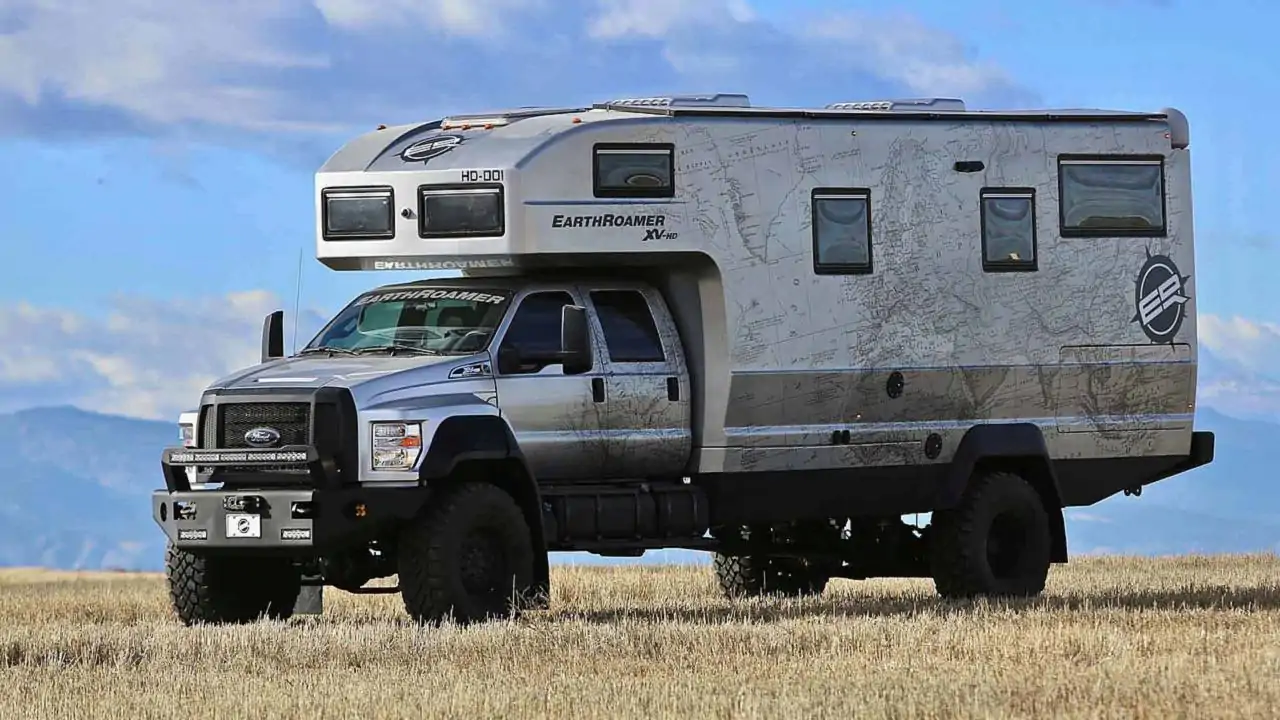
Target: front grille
292 420
223 425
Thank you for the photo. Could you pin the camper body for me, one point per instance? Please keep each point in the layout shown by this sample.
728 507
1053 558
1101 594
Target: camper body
769 333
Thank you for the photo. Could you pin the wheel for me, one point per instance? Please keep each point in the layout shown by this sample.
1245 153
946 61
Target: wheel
469 557
996 542
230 590
747 576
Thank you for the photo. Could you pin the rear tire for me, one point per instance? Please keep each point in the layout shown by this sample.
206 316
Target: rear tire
230 590
749 576
996 542
469 557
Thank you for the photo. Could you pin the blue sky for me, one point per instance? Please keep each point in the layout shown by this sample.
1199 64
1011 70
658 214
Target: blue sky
159 153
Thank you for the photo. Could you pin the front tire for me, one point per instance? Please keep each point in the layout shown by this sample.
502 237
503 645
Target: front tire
469 557
230 590
996 542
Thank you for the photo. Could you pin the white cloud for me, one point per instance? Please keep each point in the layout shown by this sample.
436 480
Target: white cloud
657 18
1236 374
143 358
159 60
158 66
1252 345
901 47
1247 399
464 18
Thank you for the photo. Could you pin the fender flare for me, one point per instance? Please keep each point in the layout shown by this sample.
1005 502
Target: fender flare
488 438
1018 447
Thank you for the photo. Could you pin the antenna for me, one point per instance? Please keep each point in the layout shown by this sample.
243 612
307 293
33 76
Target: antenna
297 301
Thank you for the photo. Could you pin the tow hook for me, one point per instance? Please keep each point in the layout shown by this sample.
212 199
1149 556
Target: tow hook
243 503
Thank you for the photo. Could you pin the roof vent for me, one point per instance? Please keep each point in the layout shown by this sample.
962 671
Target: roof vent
907 105
503 117
712 100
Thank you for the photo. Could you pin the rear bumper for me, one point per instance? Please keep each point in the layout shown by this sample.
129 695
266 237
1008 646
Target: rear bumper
1202 442
320 515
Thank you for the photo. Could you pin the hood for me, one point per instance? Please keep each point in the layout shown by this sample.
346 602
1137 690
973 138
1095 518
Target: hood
313 371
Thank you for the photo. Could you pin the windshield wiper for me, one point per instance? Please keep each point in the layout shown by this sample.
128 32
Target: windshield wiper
327 349
392 348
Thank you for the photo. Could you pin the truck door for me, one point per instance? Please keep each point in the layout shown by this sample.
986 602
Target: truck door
646 424
556 418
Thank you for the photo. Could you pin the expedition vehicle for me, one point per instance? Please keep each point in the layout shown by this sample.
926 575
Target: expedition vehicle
688 322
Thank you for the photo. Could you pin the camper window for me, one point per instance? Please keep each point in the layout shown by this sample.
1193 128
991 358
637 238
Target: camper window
841 231
449 211
1008 225
1111 196
629 330
634 170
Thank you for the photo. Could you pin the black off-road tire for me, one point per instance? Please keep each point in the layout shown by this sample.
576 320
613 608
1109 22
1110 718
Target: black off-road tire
1001 513
230 590
469 557
745 576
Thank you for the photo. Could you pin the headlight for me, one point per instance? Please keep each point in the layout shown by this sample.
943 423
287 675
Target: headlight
188 435
460 211
358 213
396 445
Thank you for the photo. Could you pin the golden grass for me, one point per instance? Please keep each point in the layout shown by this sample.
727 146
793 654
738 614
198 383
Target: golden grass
1112 637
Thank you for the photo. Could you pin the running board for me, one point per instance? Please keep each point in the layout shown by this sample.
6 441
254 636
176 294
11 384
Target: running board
358 591
375 590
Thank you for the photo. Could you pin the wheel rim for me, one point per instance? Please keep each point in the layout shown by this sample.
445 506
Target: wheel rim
483 564
1005 541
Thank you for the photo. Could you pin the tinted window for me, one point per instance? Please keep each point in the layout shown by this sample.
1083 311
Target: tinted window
629 330
1008 230
536 325
1112 197
465 212
842 231
634 170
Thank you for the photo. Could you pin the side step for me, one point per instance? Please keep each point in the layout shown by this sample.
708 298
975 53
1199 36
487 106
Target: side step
375 590
315 582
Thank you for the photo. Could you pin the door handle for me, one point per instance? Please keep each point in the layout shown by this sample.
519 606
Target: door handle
597 389
673 389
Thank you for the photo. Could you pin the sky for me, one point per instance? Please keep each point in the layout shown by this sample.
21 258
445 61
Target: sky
160 154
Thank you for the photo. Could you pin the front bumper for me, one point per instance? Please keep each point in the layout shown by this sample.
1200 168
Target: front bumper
308 520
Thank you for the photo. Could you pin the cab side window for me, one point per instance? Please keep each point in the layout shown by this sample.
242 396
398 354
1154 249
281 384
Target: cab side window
535 329
629 331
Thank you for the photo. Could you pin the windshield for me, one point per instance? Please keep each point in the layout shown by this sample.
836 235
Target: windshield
439 320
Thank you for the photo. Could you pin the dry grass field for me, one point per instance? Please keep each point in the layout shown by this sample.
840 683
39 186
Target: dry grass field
1112 637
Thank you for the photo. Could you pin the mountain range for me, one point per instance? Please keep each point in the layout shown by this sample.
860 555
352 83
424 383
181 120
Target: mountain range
78 484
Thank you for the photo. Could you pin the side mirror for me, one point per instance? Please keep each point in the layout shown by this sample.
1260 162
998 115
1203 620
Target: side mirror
273 336
508 359
575 340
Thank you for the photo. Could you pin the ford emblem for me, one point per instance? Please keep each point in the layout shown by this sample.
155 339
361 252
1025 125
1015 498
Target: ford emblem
262 437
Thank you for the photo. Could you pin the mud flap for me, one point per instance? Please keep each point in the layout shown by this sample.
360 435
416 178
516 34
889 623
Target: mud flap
310 600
